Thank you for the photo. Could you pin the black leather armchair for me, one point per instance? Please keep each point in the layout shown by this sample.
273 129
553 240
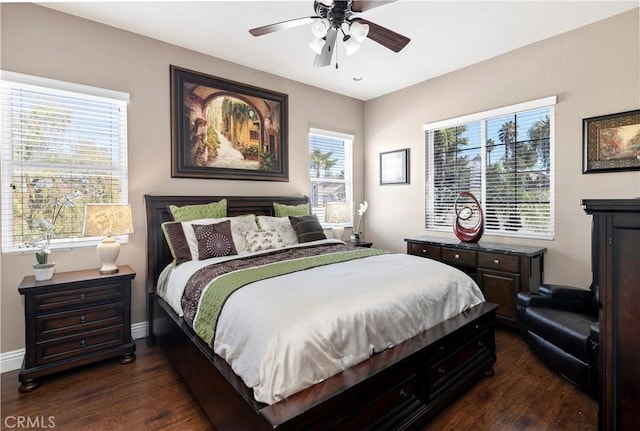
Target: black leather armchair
560 325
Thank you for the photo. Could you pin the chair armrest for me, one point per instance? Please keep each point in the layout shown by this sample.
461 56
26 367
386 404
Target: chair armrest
529 299
557 296
560 291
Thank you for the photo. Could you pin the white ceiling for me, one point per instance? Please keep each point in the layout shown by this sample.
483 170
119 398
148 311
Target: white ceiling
445 35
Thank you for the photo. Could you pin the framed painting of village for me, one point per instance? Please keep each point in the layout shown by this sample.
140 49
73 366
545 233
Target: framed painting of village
611 142
226 130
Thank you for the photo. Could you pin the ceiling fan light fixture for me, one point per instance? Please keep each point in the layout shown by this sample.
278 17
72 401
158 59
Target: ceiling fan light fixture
350 45
317 44
358 30
319 27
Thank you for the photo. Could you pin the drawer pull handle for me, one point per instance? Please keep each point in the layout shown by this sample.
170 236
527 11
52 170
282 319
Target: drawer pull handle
83 344
404 394
496 261
82 319
424 251
456 256
82 296
441 371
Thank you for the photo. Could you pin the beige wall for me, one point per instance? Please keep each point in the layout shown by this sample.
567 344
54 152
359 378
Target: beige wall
39 41
594 71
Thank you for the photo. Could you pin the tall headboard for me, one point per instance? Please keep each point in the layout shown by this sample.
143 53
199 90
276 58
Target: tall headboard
158 253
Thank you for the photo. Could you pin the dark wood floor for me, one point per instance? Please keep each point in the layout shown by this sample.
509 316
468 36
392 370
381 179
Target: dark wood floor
148 395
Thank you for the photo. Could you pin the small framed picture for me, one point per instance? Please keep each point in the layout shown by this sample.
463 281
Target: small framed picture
611 142
394 167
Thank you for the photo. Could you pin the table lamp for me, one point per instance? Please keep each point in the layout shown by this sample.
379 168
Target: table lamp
107 220
337 213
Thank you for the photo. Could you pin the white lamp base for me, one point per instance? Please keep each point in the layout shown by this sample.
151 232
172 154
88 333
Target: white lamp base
108 251
338 231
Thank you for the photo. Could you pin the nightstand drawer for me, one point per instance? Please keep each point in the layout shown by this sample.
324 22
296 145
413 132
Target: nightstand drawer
498 261
81 297
458 257
430 251
70 347
82 320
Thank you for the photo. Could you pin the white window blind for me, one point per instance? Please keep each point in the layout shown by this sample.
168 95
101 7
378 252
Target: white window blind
505 158
63 145
330 176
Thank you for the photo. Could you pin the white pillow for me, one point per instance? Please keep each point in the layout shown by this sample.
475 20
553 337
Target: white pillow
239 225
282 225
263 239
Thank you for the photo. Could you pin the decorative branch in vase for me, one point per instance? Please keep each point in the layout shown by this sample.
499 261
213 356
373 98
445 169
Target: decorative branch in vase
356 235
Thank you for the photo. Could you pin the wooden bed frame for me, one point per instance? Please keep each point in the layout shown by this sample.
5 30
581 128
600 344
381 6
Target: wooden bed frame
398 389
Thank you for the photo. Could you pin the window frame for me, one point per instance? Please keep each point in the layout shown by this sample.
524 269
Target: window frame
348 174
482 118
52 87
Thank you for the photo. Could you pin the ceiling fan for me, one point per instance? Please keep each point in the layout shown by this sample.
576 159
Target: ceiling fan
334 17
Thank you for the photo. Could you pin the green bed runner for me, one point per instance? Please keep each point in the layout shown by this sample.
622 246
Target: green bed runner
216 292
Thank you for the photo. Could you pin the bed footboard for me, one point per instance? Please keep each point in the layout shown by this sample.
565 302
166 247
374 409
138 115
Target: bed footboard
400 388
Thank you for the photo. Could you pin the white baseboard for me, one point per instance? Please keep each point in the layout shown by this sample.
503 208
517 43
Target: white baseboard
10 361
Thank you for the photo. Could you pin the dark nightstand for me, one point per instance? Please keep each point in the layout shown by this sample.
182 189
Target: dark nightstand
76 318
361 243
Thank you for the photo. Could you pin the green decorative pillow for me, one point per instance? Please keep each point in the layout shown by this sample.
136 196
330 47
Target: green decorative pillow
282 210
307 228
195 212
177 242
214 240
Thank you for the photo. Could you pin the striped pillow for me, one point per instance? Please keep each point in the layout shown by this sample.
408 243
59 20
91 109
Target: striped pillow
177 242
307 228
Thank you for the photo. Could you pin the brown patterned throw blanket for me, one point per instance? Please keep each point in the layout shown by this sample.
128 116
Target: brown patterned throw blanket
211 286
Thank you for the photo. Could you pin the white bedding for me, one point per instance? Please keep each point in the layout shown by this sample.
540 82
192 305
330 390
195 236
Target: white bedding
284 334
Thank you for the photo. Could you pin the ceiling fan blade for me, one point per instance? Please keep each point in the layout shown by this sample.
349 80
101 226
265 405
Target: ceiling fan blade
324 59
284 25
363 5
385 37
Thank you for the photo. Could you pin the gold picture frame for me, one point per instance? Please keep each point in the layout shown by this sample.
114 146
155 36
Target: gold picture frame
611 142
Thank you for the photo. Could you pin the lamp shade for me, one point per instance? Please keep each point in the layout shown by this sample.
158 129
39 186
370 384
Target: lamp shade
319 27
337 212
359 31
350 45
107 220
316 45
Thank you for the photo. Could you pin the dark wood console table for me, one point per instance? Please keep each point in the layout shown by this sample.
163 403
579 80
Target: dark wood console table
500 270
615 245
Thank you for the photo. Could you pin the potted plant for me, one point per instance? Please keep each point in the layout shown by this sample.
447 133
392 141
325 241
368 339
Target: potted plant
43 268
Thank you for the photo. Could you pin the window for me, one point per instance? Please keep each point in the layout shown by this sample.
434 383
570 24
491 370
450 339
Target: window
330 176
63 145
505 158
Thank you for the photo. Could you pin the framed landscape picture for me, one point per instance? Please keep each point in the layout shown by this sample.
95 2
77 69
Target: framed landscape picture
226 130
611 142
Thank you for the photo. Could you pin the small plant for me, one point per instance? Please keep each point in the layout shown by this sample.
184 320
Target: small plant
47 228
